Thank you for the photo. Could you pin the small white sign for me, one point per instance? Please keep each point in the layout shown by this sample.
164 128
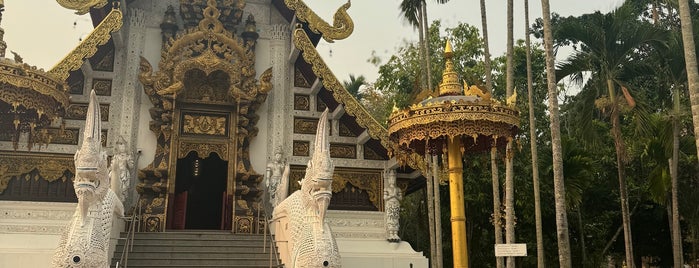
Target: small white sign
509 250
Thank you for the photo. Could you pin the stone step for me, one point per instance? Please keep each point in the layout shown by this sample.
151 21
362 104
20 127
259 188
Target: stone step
192 255
196 249
200 265
208 235
228 260
189 248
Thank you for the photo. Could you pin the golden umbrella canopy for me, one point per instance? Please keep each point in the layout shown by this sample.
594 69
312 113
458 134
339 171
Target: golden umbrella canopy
459 111
30 98
460 119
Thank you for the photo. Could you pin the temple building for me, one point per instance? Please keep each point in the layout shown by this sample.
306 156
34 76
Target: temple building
201 95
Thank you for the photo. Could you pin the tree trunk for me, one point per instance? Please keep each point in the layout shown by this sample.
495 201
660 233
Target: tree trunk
437 211
497 217
509 200
493 151
620 160
533 144
430 214
583 250
690 59
676 234
486 50
558 181
421 53
509 176
426 44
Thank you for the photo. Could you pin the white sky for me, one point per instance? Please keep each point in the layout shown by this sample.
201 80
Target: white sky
42 32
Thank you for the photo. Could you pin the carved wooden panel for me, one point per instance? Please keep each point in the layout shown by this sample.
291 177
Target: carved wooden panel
299 80
345 131
104 137
320 105
305 125
36 177
343 150
302 102
301 148
67 136
103 60
355 189
102 87
210 124
76 82
203 149
244 224
370 154
78 111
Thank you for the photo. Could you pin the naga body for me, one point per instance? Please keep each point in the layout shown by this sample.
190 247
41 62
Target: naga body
85 241
311 242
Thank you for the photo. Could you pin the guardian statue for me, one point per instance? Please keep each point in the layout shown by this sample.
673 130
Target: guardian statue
311 242
85 241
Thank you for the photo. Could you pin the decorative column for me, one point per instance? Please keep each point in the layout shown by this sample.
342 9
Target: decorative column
279 99
127 97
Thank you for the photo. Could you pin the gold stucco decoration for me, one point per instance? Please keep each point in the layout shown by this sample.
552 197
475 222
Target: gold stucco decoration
88 47
81 6
342 23
50 166
209 48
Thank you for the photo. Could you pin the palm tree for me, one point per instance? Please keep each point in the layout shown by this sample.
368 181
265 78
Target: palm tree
493 155
412 12
509 171
533 144
415 12
690 56
353 85
675 75
607 43
558 182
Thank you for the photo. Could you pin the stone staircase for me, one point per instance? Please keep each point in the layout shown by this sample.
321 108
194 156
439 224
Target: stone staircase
196 249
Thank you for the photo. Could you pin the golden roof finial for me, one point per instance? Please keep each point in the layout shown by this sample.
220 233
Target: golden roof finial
448 51
450 79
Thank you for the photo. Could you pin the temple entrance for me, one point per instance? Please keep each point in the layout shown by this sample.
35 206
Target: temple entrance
200 193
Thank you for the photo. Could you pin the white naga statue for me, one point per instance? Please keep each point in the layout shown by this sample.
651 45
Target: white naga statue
311 243
85 241
392 196
277 178
120 170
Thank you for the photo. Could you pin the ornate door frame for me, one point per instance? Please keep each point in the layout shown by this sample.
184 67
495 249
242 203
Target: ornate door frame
207 52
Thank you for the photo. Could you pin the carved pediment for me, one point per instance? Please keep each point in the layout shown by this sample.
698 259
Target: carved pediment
206 49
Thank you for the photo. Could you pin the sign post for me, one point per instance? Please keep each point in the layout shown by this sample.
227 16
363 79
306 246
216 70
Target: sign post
510 250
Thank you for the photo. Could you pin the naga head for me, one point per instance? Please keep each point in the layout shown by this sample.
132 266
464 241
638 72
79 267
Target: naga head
91 181
319 174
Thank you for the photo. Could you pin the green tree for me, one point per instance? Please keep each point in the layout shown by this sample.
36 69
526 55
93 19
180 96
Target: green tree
533 144
607 43
353 85
558 181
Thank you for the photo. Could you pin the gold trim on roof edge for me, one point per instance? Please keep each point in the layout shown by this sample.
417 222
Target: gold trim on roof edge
22 75
352 106
342 23
81 6
88 47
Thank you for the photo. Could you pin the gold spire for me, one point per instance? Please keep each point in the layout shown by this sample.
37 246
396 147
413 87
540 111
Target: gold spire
450 79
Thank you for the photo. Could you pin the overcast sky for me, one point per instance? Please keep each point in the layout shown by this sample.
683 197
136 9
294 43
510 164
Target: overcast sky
42 32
